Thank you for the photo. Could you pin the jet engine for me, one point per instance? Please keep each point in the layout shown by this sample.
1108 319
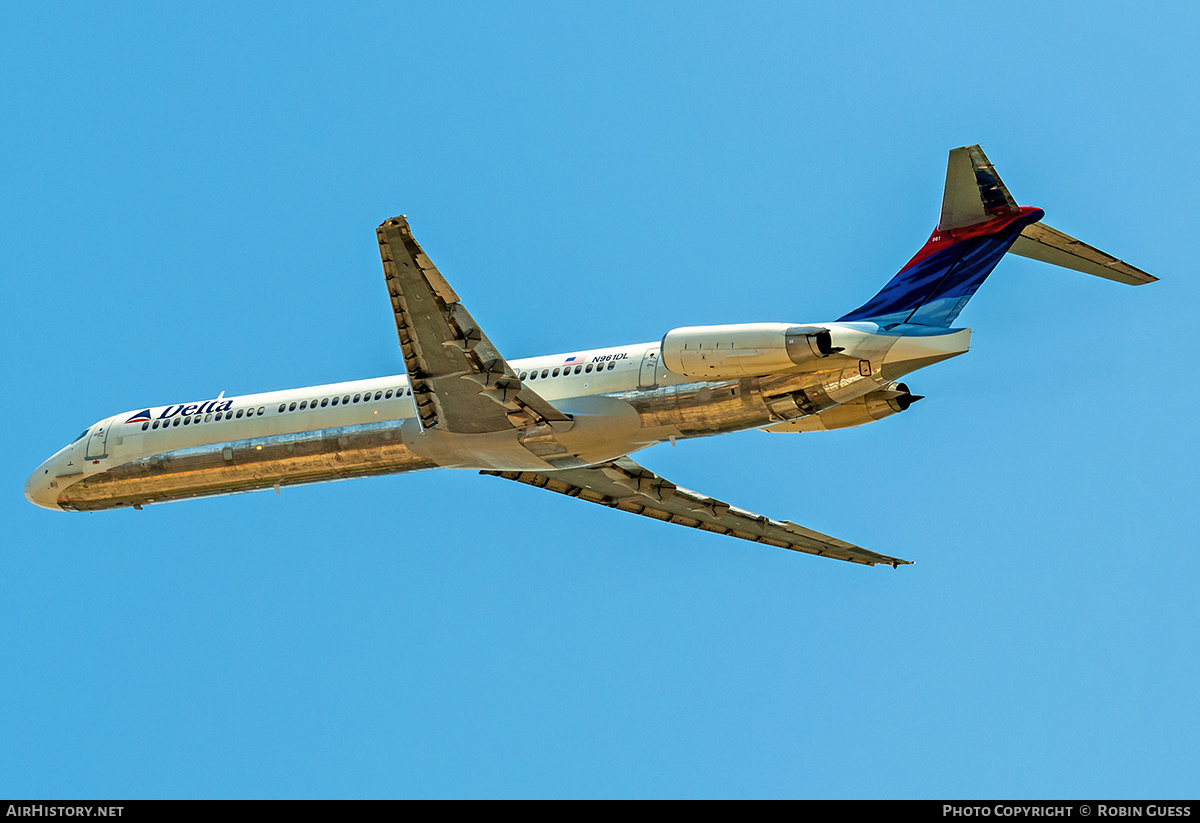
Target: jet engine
744 350
891 399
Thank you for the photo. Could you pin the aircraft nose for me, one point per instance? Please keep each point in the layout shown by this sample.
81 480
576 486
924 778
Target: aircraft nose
38 490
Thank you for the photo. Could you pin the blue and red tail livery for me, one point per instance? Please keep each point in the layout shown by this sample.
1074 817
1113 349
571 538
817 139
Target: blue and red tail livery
937 283
980 222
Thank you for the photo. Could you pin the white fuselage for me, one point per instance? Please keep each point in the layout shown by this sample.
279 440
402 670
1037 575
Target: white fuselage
620 400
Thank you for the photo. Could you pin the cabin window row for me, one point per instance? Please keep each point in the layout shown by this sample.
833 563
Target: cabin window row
563 372
345 400
361 397
197 418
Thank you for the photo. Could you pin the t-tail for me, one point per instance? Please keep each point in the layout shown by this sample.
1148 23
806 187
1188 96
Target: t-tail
980 223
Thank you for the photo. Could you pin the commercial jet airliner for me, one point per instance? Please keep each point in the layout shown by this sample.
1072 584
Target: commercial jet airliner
568 422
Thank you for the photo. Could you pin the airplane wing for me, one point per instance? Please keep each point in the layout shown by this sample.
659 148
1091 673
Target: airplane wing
623 484
459 381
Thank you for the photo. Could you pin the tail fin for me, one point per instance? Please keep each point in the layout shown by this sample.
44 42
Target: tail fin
979 223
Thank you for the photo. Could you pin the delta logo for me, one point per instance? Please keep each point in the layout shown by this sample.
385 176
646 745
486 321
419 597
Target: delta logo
183 410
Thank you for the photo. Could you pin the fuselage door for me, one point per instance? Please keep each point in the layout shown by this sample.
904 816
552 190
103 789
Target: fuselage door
648 377
97 440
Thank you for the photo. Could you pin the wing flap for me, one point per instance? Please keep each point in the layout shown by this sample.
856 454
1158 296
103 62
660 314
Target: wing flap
625 485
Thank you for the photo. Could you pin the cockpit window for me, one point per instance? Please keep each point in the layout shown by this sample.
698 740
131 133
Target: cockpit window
82 434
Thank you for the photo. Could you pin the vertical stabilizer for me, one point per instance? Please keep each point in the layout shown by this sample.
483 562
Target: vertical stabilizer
974 193
980 221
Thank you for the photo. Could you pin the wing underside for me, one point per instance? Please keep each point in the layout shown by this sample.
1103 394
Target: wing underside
460 383
625 485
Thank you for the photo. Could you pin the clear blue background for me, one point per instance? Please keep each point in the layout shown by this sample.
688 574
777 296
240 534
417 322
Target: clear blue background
189 199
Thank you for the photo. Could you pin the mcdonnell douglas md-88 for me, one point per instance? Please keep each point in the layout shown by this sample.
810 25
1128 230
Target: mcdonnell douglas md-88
568 422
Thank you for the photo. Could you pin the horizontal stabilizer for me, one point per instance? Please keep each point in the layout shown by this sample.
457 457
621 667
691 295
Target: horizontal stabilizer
1040 242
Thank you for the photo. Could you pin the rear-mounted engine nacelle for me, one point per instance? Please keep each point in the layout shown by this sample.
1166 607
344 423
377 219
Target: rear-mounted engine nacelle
744 350
891 399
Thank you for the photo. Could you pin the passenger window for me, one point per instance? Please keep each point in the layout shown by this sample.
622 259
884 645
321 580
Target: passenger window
239 414
207 417
292 407
578 369
345 400
612 365
589 368
282 408
555 374
176 422
155 426
324 402
335 401
378 395
545 372
262 409
187 420
145 426
524 374
388 396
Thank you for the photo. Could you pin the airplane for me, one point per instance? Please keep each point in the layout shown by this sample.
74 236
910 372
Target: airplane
568 422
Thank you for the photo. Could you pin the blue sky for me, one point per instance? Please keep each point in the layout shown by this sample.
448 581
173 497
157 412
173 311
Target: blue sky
190 199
